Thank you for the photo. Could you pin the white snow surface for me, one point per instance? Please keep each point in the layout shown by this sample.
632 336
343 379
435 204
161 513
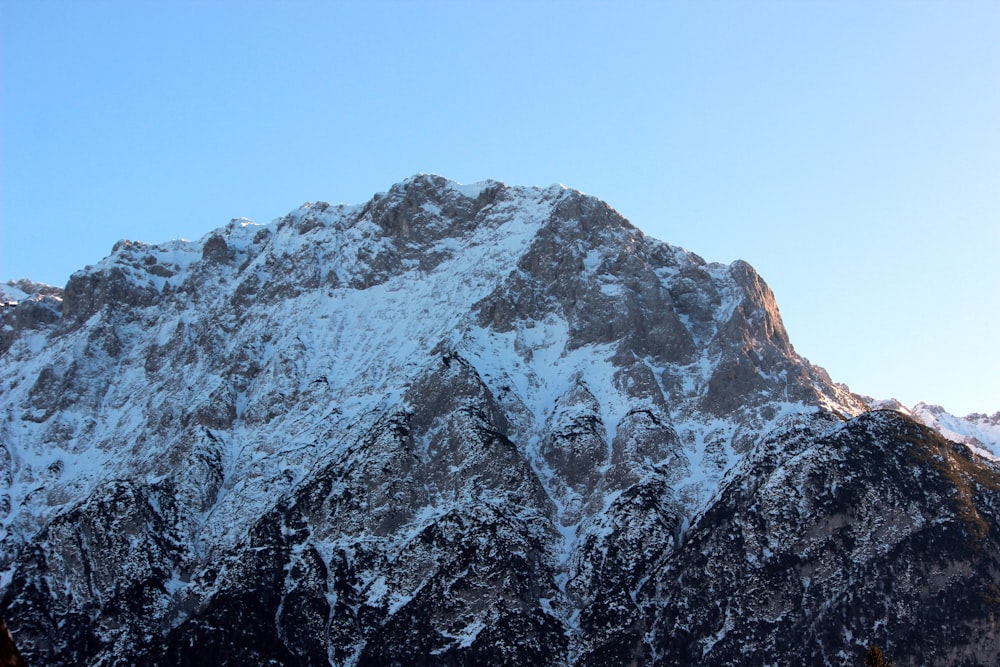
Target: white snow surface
9 292
26 290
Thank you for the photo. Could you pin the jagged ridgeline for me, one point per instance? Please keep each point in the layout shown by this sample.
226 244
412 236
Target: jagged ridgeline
465 425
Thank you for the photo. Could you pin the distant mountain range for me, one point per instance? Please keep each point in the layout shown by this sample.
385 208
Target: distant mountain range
463 425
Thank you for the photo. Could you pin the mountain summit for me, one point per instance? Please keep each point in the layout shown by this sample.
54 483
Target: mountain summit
465 425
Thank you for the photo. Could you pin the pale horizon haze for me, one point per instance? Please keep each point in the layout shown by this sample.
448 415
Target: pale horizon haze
849 151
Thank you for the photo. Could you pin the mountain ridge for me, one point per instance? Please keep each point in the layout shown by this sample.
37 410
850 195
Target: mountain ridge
383 413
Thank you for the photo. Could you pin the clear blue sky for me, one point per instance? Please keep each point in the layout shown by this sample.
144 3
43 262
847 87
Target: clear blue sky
850 151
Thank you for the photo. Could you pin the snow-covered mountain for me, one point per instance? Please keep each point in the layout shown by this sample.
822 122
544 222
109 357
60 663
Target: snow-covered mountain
465 425
979 431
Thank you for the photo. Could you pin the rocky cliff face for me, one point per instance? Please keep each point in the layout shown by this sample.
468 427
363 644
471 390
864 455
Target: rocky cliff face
465 425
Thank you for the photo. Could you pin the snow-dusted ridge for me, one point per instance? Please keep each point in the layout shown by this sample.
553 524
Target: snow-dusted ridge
360 305
393 409
979 432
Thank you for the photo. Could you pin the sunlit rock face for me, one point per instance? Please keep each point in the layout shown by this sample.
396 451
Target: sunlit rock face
465 425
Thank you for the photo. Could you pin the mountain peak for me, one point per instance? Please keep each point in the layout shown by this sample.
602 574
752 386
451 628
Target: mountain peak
480 423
